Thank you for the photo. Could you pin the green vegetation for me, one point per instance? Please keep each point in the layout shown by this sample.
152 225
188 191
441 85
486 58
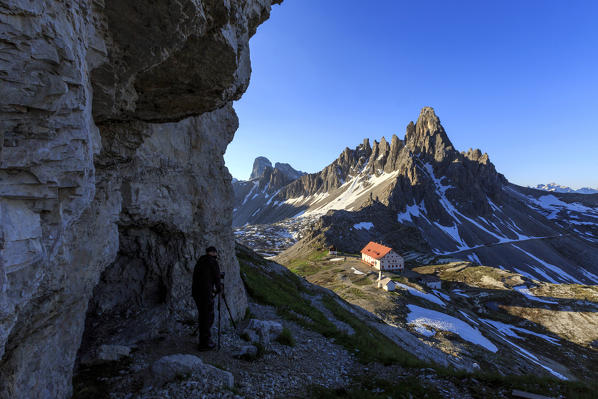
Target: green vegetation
356 292
306 266
568 291
286 293
363 281
369 344
366 388
286 337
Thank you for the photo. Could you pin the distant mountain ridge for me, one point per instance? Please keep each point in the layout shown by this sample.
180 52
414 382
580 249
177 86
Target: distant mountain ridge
554 187
264 182
452 203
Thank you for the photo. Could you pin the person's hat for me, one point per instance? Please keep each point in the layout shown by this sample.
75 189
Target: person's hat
211 249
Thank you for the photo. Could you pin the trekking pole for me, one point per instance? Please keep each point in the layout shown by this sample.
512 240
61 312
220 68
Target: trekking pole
229 312
218 321
230 315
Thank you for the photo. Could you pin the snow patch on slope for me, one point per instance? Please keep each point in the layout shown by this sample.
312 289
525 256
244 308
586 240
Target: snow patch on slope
429 297
552 205
352 191
363 226
424 318
508 330
561 273
412 211
523 290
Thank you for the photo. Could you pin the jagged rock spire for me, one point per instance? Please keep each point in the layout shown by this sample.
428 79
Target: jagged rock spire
427 136
259 167
396 145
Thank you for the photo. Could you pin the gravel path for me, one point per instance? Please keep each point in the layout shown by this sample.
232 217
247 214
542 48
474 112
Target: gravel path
284 371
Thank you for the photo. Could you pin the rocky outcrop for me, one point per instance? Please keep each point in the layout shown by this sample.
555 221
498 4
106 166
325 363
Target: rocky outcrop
333 176
178 366
265 182
114 117
428 138
288 171
260 164
259 167
338 229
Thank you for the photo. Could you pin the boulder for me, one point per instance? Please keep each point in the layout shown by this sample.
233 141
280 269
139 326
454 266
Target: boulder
246 351
262 331
172 367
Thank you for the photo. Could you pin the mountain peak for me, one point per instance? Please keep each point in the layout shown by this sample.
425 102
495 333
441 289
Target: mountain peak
365 145
259 166
287 170
427 136
558 188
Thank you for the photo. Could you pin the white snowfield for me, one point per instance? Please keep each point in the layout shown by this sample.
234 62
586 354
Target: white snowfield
356 188
469 318
423 319
337 259
255 186
426 296
526 274
412 211
460 293
363 226
443 296
355 271
589 275
507 330
473 257
511 331
552 206
561 274
523 290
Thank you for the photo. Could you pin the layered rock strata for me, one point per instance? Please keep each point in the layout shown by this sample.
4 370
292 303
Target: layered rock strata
114 117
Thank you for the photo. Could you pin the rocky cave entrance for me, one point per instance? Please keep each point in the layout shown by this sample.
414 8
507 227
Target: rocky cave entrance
163 106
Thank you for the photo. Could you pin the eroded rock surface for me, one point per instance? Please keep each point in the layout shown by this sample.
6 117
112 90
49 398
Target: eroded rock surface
114 117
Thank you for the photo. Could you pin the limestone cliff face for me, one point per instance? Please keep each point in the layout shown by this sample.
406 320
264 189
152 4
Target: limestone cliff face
114 117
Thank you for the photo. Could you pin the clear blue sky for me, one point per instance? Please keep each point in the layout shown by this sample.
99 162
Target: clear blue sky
517 79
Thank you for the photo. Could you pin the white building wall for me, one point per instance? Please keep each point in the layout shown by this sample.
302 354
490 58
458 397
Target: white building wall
393 261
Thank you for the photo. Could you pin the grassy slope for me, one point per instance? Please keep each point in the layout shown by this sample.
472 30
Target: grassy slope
286 292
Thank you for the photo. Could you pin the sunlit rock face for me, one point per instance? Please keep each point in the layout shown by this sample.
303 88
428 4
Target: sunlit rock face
114 117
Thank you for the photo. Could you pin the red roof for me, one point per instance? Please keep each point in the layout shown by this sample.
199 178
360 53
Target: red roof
375 250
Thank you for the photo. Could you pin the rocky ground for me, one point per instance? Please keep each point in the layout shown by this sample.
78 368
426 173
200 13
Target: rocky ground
313 362
283 371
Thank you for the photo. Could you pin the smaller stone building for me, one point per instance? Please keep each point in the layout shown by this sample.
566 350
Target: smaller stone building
387 284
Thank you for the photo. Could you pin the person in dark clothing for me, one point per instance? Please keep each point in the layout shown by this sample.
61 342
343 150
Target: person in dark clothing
206 285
